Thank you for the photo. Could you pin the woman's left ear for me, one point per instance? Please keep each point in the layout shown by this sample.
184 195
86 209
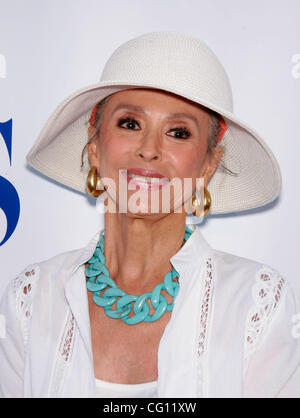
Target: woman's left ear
91 132
93 151
213 160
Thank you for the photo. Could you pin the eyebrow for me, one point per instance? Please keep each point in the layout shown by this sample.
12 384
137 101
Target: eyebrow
182 115
142 110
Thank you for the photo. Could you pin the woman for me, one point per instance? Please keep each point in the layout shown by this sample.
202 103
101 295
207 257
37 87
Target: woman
81 323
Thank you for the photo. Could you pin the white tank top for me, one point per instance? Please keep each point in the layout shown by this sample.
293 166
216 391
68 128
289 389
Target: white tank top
118 390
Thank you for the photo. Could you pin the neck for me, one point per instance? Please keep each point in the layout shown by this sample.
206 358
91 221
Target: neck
138 250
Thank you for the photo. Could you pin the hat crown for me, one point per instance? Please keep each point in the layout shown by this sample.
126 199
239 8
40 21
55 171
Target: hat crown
174 62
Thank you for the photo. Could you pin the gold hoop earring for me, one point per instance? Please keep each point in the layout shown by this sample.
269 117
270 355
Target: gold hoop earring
206 206
93 181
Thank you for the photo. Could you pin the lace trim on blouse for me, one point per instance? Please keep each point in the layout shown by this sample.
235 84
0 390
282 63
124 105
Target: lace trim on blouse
204 323
266 293
63 356
24 288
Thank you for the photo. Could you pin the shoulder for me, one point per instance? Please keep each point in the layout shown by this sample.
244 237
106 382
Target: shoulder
248 281
254 290
63 263
44 277
229 260
256 286
246 273
21 289
57 268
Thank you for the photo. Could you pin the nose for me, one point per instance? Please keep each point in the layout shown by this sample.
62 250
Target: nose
149 148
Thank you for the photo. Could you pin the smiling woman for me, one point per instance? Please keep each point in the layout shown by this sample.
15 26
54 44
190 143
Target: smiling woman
148 308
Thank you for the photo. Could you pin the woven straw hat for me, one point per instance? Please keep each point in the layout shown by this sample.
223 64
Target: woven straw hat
180 64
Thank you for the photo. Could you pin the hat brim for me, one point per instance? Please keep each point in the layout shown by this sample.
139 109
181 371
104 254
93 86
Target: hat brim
255 182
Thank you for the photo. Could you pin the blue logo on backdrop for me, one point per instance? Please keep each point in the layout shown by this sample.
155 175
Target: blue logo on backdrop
9 198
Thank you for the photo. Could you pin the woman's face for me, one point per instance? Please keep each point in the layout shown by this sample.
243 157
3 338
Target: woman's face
155 131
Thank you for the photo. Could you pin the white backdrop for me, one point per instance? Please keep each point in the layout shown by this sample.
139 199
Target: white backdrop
50 48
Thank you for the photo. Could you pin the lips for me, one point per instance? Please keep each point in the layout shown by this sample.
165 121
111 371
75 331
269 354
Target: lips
145 179
145 173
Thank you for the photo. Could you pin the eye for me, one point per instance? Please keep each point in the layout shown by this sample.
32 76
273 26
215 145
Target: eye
180 132
131 123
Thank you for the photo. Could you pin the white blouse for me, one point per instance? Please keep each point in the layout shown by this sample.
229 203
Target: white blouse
234 329
118 390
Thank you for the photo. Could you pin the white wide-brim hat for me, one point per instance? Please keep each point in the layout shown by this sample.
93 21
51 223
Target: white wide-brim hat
180 64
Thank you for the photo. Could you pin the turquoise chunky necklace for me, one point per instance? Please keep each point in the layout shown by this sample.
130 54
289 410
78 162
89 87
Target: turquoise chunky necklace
99 279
